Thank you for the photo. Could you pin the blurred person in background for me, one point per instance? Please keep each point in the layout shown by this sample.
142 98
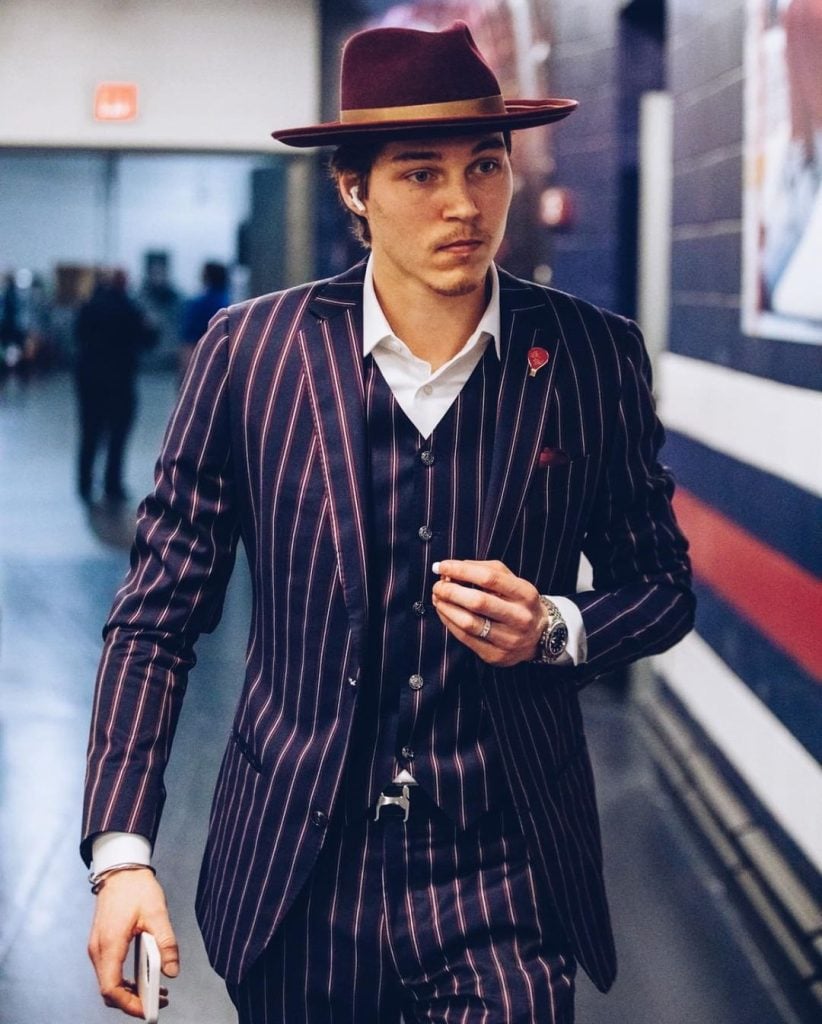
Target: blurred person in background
110 332
415 453
197 312
12 334
39 344
161 301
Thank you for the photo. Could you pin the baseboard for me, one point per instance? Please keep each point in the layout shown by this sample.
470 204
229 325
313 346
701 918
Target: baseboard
775 886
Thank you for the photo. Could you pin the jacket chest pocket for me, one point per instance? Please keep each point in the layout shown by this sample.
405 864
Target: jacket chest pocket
554 518
562 489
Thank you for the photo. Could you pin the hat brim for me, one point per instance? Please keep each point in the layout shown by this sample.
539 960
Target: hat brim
518 114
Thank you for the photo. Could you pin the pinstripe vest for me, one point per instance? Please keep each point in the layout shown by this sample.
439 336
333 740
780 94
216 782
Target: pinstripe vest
421 706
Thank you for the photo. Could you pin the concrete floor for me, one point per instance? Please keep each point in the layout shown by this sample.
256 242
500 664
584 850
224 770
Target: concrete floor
684 956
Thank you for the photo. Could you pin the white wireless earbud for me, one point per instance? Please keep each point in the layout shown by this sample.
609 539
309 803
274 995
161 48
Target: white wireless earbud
356 202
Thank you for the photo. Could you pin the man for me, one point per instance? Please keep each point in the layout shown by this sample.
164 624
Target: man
199 310
404 822
110 332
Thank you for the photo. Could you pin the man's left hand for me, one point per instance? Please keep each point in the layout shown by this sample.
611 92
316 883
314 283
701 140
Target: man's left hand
489 609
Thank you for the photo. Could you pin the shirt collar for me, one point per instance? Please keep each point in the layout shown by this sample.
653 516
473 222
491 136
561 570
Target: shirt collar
375 327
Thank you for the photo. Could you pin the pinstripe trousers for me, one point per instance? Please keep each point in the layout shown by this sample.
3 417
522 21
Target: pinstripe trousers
414 921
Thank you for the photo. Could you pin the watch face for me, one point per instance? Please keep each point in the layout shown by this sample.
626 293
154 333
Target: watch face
557 640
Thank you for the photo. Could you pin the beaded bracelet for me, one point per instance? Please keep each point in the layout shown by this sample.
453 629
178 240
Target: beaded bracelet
98 879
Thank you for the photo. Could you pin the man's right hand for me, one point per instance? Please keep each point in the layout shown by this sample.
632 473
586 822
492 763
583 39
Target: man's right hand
128 903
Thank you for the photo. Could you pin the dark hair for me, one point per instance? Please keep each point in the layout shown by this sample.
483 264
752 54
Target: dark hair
359 157
215 275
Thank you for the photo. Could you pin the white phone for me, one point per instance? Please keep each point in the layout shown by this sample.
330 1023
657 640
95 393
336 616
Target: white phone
147 975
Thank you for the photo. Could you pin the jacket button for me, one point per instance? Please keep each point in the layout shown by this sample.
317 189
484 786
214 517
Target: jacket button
408 753
319 819
425 533
427 458
352 680
415 682
418 608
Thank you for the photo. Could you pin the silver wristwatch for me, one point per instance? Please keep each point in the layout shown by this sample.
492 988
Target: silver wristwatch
554 637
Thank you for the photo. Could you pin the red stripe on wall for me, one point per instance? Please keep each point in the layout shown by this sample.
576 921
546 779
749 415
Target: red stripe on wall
782 600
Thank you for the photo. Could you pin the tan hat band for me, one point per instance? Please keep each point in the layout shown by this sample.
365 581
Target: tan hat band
420 111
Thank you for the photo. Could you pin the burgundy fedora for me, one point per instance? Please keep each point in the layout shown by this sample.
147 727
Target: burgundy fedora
396 80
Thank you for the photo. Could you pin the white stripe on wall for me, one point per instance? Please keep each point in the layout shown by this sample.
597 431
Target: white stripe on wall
775 427
778 769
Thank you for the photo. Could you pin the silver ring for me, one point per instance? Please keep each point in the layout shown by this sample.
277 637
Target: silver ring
486 629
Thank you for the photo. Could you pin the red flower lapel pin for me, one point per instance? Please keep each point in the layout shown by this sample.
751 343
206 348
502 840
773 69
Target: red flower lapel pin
537 358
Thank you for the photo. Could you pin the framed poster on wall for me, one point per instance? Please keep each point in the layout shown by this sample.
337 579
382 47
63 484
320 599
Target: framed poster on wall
782 236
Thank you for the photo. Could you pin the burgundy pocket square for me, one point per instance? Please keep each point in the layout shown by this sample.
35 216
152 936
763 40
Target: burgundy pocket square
553 457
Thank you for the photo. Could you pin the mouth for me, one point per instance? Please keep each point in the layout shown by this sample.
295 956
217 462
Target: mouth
461 246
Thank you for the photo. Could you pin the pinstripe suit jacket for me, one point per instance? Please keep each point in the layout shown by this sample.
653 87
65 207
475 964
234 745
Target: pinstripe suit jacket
268 443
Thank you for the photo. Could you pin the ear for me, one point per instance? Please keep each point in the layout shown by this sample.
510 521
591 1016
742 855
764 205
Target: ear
345 183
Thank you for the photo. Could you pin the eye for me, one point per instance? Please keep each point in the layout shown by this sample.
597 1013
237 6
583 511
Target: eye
420 177
486 167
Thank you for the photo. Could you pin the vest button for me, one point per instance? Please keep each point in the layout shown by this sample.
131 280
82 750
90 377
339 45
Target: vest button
415 682
319 819
408 753
427 458
418 608
425 533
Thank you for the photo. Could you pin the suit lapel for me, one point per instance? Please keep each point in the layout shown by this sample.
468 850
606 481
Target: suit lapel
331 347
526 322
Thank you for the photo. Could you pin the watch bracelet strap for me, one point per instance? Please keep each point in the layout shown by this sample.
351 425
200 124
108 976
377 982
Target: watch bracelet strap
555 616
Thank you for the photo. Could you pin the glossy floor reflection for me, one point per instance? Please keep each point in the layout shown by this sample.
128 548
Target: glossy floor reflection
684 957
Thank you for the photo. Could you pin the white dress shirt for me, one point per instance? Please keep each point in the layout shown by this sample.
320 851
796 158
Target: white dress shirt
425 397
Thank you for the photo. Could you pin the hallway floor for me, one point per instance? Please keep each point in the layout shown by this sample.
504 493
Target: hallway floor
684 957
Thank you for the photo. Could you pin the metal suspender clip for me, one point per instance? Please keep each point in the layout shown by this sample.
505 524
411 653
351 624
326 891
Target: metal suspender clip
403 801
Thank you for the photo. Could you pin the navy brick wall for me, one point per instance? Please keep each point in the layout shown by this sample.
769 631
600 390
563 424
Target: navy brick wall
605 58
586 147
705 57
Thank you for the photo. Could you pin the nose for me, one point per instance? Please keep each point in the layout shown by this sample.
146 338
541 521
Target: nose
459 202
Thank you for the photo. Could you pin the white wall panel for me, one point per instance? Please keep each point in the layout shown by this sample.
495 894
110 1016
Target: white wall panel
56 208
51 215
189 206
774 427
210 75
